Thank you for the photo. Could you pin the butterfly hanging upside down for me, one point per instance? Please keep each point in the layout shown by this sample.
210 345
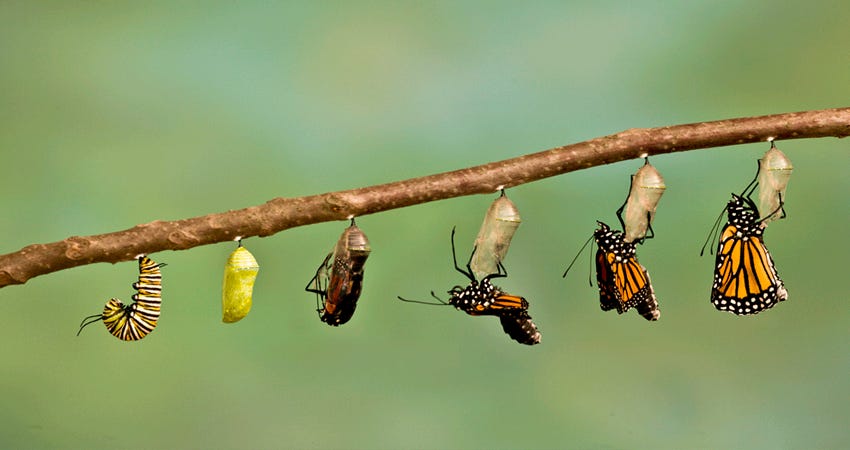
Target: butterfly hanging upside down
745 278
623 282
483 298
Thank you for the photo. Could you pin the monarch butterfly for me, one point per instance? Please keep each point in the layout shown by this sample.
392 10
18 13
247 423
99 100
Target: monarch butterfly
646 188
494 237
774 172
623 283
519 327
136 320
338 284
745 278
482 298
240 273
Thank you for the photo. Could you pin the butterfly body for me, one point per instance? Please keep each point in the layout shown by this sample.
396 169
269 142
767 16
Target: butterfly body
518 325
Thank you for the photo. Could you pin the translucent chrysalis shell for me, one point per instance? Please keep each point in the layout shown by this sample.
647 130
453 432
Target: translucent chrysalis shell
240 272
494 236
646 190
774 172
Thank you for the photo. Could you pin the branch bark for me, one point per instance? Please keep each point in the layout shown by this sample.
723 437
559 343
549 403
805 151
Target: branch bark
281 214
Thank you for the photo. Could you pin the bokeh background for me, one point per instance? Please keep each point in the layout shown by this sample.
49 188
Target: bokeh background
115 114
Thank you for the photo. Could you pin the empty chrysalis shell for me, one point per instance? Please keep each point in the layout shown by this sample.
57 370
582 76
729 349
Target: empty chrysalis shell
240 272
774 172
645 192
494 237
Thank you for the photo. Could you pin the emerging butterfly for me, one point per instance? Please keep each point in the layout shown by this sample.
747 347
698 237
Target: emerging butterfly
339 279
483 298
623 282
745 279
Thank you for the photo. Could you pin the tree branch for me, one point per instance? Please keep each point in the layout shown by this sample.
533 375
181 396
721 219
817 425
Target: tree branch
283 213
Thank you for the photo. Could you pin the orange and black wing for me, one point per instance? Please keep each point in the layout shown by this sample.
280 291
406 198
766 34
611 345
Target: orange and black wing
608 295
745 279
497 304
624 284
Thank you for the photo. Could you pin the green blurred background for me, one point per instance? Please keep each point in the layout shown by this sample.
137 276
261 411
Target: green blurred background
115 114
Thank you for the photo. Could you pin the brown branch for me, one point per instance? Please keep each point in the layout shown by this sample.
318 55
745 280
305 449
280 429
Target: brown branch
283 213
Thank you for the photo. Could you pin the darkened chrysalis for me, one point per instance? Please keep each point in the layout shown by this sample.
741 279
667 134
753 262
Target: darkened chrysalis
339 278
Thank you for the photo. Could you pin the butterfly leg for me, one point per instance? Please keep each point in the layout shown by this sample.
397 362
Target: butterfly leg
468 272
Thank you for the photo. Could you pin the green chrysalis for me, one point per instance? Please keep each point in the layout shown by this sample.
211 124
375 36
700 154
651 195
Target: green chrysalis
240 272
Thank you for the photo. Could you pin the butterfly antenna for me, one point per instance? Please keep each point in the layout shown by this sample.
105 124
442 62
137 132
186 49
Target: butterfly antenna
576 257
711 232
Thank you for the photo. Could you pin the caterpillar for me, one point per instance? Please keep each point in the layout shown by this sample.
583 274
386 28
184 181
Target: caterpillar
237 288
494 237
136 320
339 278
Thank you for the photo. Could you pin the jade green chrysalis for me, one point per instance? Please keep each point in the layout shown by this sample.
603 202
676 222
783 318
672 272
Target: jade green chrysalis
240 272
